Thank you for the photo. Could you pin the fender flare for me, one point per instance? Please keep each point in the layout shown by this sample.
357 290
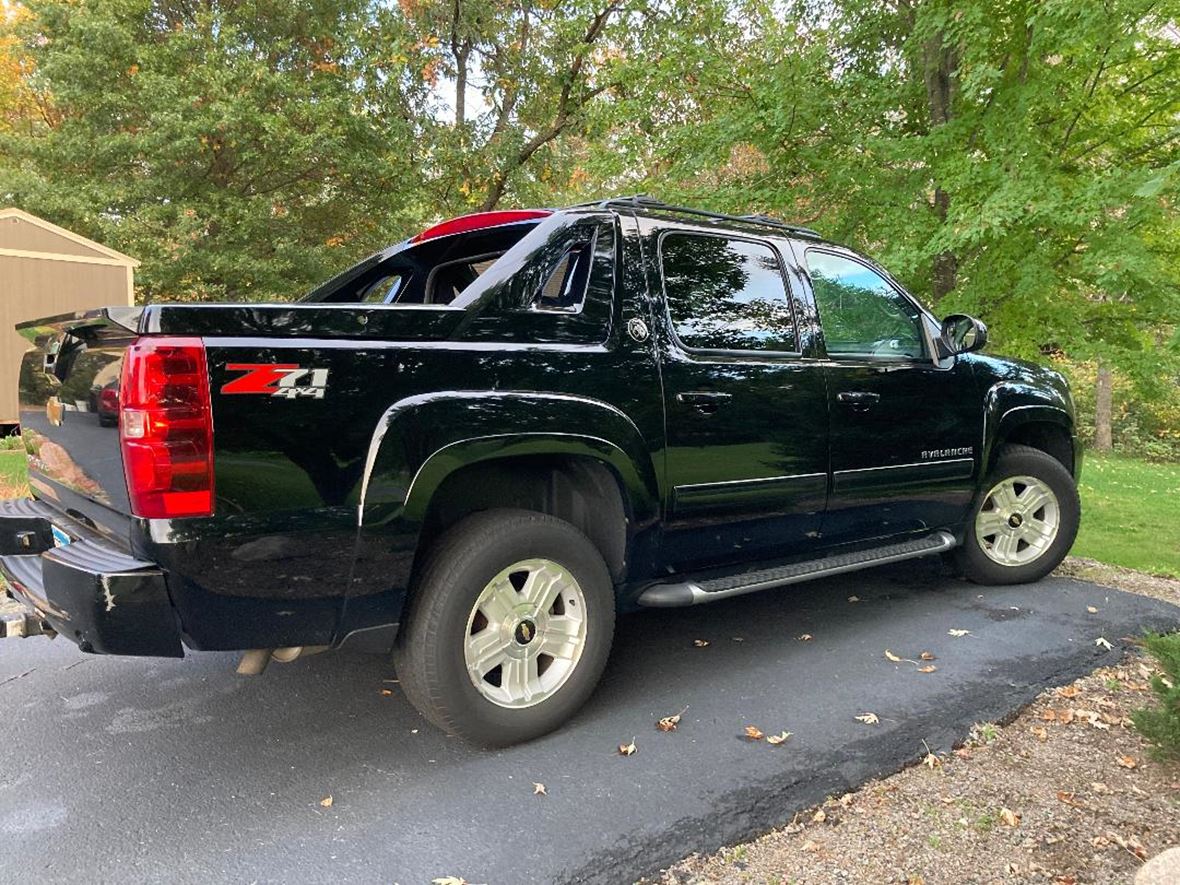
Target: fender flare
1011 405
421 440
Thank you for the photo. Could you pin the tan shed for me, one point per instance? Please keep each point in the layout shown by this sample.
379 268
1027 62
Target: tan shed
47 270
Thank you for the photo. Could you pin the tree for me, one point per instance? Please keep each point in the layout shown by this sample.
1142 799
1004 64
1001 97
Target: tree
222 143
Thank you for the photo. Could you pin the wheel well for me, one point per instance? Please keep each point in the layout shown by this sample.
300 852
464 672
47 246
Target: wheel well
581 490
1051 439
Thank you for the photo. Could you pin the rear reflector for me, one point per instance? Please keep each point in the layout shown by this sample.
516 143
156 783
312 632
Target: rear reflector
480 220
166 428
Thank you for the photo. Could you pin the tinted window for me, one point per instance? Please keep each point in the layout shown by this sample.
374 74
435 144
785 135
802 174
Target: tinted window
861 313
726 294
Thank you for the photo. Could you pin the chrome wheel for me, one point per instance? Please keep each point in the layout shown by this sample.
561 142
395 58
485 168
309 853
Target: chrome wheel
1018 521
525 634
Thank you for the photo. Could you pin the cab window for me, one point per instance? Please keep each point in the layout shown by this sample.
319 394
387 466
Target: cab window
861 313
726 294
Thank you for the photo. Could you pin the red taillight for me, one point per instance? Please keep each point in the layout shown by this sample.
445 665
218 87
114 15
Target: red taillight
166 428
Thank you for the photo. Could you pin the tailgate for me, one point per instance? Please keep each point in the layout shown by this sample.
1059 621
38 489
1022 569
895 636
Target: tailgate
69 413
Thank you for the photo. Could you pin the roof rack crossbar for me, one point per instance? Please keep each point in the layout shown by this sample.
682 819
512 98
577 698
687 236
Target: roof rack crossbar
644 201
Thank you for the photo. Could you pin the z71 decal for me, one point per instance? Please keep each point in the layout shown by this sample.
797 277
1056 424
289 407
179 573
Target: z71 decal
277 379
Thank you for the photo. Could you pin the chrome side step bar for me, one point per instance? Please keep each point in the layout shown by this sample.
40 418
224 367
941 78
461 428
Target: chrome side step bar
695 591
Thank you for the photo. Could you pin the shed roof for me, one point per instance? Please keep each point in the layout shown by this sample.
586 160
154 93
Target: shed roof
72 238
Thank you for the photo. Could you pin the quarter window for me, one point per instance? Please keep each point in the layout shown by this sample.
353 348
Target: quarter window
726 294
861 313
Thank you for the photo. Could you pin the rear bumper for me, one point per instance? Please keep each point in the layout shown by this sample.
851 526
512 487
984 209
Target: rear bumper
100 598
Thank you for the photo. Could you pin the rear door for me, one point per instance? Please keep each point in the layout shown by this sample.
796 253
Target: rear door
746 411
905 426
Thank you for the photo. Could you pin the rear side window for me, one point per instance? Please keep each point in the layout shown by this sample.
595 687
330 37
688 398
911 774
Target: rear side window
726 294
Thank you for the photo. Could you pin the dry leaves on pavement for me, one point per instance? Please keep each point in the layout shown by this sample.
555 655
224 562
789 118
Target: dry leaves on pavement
868 718
628 749
669 723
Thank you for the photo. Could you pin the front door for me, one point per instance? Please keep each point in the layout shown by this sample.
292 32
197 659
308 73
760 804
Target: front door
746 409
906 427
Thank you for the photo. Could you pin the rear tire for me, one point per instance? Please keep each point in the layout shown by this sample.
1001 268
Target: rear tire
508 627
1024 521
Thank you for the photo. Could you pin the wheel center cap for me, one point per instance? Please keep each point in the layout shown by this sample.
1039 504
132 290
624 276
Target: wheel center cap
1015 520
525 632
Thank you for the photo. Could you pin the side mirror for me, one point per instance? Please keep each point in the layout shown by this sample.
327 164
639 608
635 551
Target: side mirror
962 334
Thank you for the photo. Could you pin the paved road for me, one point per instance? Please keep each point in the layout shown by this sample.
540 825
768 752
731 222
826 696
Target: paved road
180 771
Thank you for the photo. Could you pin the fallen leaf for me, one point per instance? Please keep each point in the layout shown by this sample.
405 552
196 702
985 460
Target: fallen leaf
957 632
806 637
1065 717
891 656
846 800
1091 609
1132 845
931 761
854 599
1127 762
701 643
810 845
819 817
776 739
669 723
753 733
628 749
927 656
539 789
929 668
448 880
868 718
386 692
1069 798
1102 643
1069 691
326 802
1040 734
1009 817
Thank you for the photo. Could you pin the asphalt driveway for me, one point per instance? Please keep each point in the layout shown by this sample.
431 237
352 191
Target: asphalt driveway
180 771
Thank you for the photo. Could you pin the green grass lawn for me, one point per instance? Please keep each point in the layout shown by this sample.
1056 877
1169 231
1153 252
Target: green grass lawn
12 473
1130 514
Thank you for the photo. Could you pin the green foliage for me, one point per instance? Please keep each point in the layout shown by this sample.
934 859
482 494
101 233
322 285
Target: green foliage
1161 724
225 145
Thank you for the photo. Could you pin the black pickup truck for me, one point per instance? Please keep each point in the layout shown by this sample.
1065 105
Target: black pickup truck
473 448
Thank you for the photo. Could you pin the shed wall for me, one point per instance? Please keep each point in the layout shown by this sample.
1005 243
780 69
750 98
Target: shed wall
39 287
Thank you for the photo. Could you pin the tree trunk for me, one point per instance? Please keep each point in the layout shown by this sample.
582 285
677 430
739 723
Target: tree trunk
1102 409
940 64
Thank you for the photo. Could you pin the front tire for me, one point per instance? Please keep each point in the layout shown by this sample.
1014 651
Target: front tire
508 627
1024 521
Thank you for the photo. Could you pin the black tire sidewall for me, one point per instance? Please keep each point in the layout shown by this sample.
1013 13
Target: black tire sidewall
1023 461
472 554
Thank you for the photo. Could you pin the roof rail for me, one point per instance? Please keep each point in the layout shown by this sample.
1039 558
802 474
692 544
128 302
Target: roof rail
645 201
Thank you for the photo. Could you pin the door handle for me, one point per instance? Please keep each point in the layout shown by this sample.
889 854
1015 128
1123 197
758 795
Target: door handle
705 401
860 400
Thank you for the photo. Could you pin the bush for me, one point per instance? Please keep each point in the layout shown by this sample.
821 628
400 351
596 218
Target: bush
1161 725
11 443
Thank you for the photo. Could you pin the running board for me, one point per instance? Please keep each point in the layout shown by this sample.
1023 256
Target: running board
695 591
